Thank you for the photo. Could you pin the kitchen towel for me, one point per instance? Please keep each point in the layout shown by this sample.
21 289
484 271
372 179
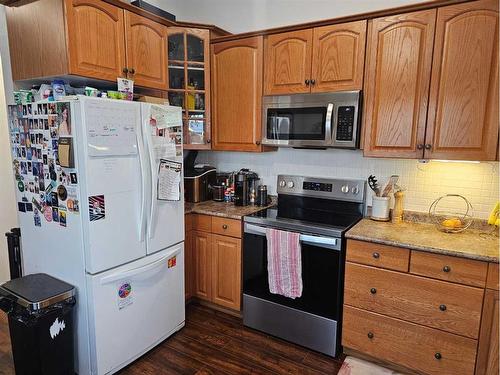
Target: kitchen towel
284 263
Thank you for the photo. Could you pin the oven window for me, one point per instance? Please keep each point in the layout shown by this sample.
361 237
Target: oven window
321 277
296 123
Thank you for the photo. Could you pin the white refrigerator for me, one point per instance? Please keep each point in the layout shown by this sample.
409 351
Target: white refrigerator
100 204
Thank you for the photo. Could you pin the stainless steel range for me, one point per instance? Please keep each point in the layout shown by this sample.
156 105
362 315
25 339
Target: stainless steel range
321 210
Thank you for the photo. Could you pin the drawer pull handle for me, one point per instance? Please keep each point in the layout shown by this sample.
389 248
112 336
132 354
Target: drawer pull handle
442 307
224 226
370 335
373 290
438 355
376 255
446 269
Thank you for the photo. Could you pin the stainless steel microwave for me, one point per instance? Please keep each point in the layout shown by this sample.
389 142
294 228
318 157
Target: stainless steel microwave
312 120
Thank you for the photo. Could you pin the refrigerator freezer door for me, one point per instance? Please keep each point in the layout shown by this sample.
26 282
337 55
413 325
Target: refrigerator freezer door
135 307
113 207
165 217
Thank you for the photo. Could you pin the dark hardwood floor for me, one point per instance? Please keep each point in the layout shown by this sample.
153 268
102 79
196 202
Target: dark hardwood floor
212 343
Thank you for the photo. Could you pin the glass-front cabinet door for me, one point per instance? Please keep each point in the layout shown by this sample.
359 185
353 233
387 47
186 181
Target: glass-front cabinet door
189 82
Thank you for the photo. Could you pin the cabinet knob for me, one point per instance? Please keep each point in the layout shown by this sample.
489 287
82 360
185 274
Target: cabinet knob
257 143
132 71
224 226
209 140
307 82
428 146
373 291
446 269
370 335
313 81
376 255
420 146
125 70
438 355
442 307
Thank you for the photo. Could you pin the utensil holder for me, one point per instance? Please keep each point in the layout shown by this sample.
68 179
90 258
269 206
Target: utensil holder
381 208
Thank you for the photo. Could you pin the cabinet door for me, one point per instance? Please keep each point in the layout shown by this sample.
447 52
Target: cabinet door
288 62
226 273
237 94
96 39
397 77
463 106
202 254
338 57
487 355
146 51
189 273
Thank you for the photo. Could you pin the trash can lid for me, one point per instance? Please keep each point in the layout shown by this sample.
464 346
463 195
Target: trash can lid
38 290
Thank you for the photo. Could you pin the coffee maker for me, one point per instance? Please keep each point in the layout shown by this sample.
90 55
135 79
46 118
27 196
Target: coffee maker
245 187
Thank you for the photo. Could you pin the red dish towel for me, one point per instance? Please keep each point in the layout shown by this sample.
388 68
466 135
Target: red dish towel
284 263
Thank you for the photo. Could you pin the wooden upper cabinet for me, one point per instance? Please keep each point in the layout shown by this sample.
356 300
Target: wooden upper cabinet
146 51
338 57
237 94
95 39
287 62
397 76
463 109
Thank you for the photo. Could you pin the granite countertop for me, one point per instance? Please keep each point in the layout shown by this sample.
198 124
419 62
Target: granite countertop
472 243
224 209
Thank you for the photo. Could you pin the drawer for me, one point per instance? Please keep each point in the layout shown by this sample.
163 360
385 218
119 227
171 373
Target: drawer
492 279
226 227
372 254
442 267
437 304
202 222
419 348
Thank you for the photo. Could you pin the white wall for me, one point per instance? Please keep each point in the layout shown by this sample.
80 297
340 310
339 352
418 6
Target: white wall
8 213
239 16
478 182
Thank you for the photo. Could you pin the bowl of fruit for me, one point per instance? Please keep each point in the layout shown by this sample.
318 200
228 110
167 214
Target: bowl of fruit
451 213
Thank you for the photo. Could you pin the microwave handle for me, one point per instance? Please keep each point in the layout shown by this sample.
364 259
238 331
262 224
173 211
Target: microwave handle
328 123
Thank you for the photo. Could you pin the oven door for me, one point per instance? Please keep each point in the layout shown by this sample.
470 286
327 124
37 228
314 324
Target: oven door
298 126
322 270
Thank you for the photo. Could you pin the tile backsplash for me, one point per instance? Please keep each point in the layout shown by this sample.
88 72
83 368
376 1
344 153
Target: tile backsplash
424 182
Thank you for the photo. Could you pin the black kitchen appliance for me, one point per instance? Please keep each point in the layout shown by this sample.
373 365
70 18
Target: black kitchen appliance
321 211
244 182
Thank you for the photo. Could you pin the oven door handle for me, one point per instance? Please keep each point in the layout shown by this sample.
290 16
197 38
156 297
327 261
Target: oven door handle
325 242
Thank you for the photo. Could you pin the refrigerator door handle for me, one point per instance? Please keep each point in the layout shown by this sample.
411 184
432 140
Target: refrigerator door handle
144 184
142 269
153 187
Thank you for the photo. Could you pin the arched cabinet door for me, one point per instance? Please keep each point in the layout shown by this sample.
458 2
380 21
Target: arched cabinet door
237 94
338 57
396 84
146 51
462 122
287 68
95 39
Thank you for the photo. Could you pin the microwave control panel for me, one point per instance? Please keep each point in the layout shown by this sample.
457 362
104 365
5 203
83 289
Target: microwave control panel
345 123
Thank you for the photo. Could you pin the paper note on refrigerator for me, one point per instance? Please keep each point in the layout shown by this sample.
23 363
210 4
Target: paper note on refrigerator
111 128
169 180
166 116
163 147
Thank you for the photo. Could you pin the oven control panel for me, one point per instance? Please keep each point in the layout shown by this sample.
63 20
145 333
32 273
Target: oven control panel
340 189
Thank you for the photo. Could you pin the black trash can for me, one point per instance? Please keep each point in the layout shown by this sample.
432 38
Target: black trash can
40 312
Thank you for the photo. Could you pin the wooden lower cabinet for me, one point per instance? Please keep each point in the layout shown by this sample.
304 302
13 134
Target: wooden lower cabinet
213 272
416 347
226 275
437 316
487 355
202 255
